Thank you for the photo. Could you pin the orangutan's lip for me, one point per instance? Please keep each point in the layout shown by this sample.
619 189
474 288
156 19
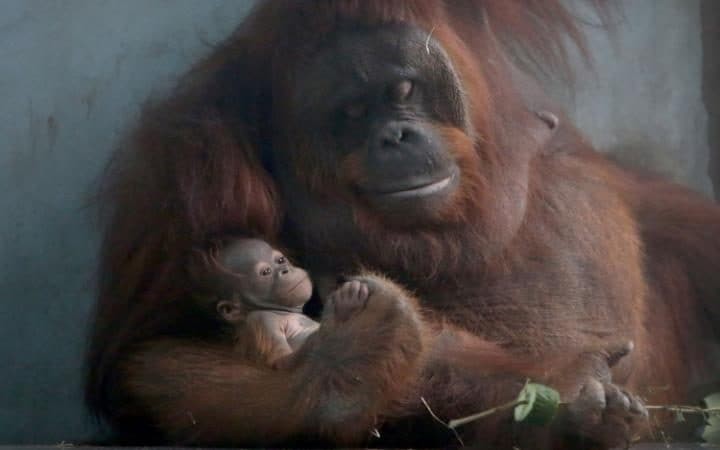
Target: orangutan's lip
422 190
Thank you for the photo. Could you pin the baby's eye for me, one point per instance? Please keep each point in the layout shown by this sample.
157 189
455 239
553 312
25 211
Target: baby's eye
281 260
266 271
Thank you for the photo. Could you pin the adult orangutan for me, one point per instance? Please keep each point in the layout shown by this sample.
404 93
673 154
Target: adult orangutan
399 136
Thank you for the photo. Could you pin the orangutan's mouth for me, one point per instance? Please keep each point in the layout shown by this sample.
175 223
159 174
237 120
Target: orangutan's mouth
304 279
422 190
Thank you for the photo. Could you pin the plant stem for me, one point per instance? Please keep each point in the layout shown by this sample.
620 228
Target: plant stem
684 408
439 420
505 406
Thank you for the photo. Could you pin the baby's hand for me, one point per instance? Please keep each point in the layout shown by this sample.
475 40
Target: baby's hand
347 300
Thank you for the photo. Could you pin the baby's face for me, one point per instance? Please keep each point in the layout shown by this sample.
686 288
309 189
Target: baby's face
267 275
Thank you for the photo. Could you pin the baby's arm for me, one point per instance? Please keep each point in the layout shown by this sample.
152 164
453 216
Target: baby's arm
263 338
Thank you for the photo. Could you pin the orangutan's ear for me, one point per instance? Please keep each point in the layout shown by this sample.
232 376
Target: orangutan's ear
231 312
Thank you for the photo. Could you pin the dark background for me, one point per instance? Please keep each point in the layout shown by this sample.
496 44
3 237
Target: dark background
73 77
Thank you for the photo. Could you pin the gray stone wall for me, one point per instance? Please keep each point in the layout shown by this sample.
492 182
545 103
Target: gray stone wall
642 101
73 77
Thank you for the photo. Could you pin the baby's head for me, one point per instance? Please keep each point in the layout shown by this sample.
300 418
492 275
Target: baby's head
242 275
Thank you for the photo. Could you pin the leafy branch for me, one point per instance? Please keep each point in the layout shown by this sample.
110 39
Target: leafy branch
537 404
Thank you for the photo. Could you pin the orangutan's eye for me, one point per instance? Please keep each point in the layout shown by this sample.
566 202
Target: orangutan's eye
401 91
265 271
281 260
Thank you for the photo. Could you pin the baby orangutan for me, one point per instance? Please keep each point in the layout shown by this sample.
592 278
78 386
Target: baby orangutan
254 288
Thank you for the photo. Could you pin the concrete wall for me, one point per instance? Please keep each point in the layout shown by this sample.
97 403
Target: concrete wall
72 78
643 101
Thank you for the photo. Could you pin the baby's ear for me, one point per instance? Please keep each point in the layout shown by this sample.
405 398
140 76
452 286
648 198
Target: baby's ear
230 311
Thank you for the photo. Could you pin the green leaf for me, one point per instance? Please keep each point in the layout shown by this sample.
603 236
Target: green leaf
712 400
711 435
540 404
